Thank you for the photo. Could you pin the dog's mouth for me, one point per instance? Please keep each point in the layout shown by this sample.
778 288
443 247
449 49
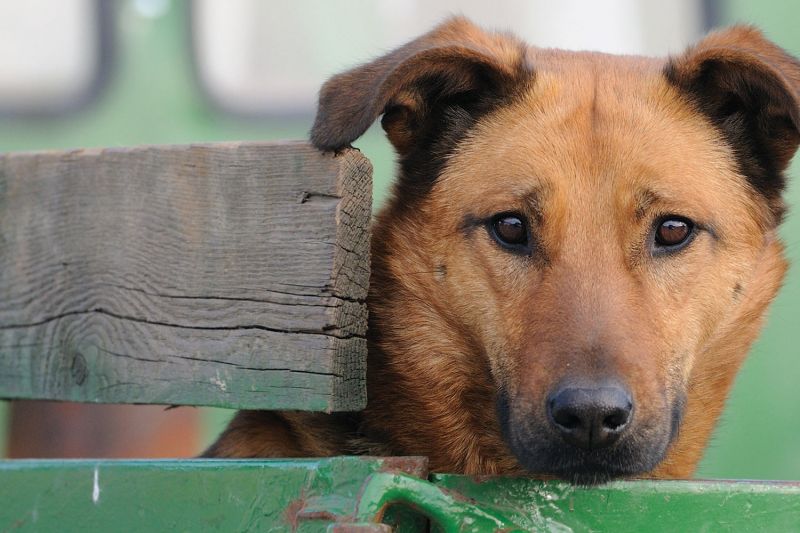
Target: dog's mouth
588 468
542 452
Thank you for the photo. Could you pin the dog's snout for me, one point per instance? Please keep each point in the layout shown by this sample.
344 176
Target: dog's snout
590 418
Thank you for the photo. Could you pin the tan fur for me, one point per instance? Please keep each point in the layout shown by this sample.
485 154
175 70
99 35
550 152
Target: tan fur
591 148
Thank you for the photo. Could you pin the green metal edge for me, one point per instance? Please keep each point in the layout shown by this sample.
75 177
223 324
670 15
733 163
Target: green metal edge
642 506
356 493
447 510
186 495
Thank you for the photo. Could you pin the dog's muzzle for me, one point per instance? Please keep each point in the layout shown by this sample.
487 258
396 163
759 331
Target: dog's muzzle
586 433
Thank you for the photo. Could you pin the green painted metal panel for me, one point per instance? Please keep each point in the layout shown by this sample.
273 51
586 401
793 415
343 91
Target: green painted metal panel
188 495
642 506
357 493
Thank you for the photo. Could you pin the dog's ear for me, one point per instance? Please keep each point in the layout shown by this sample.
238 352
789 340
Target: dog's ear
419 87
750 89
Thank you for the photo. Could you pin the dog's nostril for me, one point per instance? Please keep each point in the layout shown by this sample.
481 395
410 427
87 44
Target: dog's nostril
567 420
616 419
590 417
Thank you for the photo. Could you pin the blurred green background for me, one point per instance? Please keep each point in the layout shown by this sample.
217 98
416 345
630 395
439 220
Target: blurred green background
153 95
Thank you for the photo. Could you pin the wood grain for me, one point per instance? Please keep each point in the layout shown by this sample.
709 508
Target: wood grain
230 275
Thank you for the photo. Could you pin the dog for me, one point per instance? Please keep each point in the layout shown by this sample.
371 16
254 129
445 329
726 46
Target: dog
578 253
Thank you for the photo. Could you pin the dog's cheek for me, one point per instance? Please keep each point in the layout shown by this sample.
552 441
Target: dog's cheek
475 293
698 309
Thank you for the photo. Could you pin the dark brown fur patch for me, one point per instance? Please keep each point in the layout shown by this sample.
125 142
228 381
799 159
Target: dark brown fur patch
430 93
749 88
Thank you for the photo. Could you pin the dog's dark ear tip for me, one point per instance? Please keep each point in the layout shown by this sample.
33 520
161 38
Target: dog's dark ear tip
339 151
334 151
454 58
326 146
749 88
321 143
326 138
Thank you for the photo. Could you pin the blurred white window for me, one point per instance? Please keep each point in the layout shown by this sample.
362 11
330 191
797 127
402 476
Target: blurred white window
263 57
50 54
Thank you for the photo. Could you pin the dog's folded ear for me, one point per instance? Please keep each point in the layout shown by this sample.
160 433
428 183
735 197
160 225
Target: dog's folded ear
419 86
750 89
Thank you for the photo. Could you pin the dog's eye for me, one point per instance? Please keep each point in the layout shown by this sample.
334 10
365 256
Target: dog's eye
673 232
510 230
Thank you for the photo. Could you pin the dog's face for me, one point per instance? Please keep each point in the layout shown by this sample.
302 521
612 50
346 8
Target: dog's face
599 270
591 225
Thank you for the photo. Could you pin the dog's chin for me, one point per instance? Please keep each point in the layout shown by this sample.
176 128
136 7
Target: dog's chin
580 467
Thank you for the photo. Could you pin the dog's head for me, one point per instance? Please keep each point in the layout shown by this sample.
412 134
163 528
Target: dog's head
597 231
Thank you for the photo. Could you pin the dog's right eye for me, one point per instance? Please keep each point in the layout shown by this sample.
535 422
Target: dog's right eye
510 230
672 233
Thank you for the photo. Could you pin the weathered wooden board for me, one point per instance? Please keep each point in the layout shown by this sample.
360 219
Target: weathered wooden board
227 274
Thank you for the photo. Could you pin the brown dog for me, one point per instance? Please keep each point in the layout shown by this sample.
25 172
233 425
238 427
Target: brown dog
577 256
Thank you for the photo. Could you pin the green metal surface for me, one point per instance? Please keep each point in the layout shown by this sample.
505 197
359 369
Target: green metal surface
449 511
641 506
192 495
349 494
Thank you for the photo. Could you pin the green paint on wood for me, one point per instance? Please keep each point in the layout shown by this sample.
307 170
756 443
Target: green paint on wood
231 275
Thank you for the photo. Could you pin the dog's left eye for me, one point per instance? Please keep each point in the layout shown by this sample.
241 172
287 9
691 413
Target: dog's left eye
673 233
510 230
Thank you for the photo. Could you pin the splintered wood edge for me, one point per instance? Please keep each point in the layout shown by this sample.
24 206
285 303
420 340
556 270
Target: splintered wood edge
350 279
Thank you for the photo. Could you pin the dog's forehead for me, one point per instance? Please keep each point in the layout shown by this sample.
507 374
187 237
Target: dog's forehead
596 126
541 60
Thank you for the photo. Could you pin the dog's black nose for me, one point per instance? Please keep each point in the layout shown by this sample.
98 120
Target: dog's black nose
590 418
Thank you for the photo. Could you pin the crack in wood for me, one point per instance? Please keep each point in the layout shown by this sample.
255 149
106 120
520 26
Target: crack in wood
332 296
305 196
158 239
260 369
101 311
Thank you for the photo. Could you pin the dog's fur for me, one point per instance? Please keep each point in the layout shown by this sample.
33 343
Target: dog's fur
467 339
